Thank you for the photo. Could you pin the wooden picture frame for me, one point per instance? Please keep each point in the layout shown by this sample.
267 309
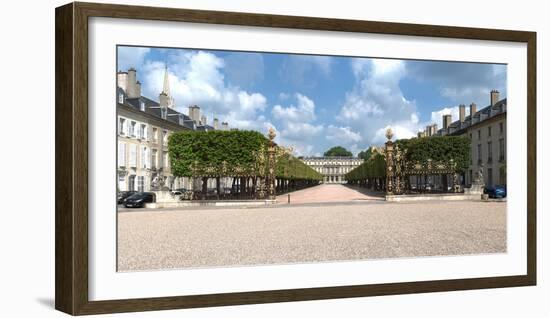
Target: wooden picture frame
71 221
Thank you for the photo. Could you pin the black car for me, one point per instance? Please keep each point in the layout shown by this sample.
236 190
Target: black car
123 195
496 192
139 199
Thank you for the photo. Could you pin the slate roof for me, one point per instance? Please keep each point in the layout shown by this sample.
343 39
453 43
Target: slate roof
152 107
457 128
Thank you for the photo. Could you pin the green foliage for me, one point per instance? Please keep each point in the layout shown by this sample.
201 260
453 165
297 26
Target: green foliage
438 148
235 153
291 168
338 152
374 167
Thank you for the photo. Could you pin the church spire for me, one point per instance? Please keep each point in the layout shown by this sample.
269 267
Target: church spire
166 87
165 98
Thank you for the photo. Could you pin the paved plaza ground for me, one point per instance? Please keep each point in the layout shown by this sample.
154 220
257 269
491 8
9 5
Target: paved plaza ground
330 193
299 233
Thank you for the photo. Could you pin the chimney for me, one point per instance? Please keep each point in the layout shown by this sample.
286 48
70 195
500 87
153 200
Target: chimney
446 121
216 124
195 113
122 80
434 129
164 100
138 89
494 97
462 112
133 89
473 110
203 120
225 126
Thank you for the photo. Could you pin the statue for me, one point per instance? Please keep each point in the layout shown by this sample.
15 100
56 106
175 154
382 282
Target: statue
479 177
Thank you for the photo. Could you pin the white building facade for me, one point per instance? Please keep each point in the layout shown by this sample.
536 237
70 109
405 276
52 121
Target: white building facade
333 169
143 129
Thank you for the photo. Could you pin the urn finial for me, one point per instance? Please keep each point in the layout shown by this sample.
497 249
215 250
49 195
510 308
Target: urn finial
389 133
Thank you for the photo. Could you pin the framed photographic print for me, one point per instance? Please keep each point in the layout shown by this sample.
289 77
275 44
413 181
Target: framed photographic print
211 158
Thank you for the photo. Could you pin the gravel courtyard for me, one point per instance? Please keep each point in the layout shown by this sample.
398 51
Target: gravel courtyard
307 233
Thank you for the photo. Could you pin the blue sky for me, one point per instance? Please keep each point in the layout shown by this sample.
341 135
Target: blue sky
315 102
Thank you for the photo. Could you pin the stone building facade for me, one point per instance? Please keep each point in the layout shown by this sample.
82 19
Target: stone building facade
333 169
486 129
144 125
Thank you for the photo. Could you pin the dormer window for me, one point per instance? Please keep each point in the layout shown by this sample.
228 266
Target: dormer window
121 98
142 106
163 112
180 117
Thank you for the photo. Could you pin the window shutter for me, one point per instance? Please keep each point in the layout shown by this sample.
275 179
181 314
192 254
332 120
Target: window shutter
133 155
121 154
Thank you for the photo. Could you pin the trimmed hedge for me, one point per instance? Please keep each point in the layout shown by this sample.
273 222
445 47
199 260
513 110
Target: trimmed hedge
374 167
290 168
438 148
234 153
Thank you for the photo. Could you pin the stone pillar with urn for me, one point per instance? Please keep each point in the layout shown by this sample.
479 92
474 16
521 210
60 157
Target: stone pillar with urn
389 162
271 165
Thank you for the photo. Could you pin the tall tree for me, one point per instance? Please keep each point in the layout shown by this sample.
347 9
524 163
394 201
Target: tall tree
338 151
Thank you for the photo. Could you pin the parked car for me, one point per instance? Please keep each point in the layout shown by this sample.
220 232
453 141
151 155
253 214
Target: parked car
496 192
139 199
123 195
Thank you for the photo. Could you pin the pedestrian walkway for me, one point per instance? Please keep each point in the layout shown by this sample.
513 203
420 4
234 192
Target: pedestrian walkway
329 193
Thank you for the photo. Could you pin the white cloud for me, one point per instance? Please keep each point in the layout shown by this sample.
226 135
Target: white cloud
131 57
376 102
462 83
437 116
196 78
342 134
296 125
301 131
304 111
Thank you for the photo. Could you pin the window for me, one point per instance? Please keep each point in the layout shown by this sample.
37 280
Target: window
121 126
489 131
479 154
133 155
142 106
165 162
121 182
145 159
142 133
132 183
155 134
165 137
479 134
120 98
490 152
121 154
141 183
163 112
501 128
501 150
180 117
132 129
154 160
